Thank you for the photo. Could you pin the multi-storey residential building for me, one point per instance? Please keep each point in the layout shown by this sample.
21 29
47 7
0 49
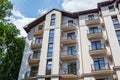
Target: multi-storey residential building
83 45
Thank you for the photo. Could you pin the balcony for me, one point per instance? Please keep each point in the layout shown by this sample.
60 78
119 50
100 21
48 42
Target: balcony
38 33
99 51
34 60
94 21
66 27
95 35
68 41
36 45
68 73
67 57
101 70
31 75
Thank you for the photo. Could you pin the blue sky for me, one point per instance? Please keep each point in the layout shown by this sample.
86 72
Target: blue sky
25 11
30 8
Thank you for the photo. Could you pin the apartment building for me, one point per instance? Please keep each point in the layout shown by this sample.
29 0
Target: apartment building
82 45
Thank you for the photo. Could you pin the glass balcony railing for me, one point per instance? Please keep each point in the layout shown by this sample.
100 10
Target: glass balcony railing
95 31
97 47
30 74
66 71
97 67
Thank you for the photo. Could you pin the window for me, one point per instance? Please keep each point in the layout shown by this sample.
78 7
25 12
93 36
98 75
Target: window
91 17
48 67
70 23
40 27
52 23
34 71
51 35
93 30
96 45
50 50
118 35
47 79
102 79
72 68
99 64
72 50
71 35
115 22
111 8
38 40
36 54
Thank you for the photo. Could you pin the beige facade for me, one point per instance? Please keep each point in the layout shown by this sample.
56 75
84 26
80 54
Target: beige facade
74 46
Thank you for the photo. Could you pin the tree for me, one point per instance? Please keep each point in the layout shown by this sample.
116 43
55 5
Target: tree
5 9
11 46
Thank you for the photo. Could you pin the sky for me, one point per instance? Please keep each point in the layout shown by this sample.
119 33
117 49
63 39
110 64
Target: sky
25 11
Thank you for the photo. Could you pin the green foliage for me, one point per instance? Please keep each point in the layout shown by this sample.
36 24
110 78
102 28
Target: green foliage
11 46
5 9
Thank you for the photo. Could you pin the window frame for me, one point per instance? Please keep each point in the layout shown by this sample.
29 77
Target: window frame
111 8
52 21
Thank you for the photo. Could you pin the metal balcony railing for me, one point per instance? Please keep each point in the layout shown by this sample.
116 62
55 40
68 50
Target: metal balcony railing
96 67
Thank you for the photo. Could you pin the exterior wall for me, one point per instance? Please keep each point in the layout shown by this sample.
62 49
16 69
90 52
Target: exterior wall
56 47
111 34
113 41
27 52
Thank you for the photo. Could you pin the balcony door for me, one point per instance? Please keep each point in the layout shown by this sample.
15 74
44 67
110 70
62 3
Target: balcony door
99 64
72 68
72 50
91 17
96 45
34 71
71 35
70 23
93 30
103 79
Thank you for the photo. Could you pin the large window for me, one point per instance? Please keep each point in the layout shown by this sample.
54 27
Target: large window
71 35
70 23
34 71
96 45
47 79
93 30
72 68
118 35
36 54
115 22
38 40
40 27
91 17
111 8
51 35
50 50
48 67
102 79
52 22
72 50
99 64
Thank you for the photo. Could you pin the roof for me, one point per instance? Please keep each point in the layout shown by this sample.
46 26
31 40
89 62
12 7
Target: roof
29 26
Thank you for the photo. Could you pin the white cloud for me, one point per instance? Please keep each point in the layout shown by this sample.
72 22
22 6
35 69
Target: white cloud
20 21
42 11
79 5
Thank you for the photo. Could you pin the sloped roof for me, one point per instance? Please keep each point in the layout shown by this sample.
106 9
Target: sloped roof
29 26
